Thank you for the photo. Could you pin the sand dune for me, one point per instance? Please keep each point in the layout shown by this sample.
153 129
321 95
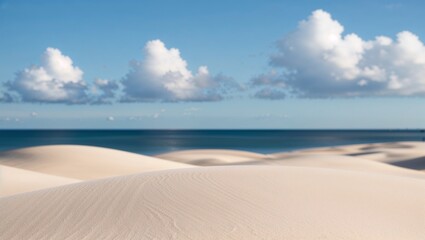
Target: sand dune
404 154
15 180
83 162
344 192
324 158
345 163
244 202
412 147
211 157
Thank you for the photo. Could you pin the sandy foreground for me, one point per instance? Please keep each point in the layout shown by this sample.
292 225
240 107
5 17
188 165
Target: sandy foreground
368 191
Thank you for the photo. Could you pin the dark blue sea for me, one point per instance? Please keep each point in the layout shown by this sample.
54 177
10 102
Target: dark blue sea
152 142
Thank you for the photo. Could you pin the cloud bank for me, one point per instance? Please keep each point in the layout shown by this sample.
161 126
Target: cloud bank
318 60
163 75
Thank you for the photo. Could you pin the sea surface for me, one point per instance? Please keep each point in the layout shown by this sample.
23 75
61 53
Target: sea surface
152 142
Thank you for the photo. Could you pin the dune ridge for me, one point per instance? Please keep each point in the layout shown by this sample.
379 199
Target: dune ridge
211 157
392 152
15 180
338 162
83 162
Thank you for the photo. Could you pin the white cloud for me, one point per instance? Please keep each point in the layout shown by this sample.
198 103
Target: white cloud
272 116
163 75
158 114
270 84
190 111
5 97
319 60
393 6
107 85
272 78
56 80
5 119
110 118
104 91
270 93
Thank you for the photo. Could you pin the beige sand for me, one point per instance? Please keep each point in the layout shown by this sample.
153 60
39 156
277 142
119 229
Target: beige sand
344 192
15 180
243 202
351 157
211 157
404 154
83 162
347 163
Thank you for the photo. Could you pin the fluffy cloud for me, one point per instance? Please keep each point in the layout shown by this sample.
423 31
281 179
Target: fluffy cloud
104 91
106 86
163 76
271 84
5 97
318 60
270 93
56 80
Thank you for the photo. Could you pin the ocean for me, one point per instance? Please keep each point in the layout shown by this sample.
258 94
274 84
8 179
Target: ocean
152 142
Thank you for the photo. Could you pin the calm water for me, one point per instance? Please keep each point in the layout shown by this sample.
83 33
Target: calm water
159 141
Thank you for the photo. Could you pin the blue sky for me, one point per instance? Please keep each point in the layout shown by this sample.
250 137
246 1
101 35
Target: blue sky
238 42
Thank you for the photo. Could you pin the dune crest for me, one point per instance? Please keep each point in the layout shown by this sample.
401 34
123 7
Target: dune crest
83 162
403 154
15 180
347 163
212 157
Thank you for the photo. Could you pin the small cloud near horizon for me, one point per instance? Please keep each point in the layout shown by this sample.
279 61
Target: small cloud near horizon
190 111
393 6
